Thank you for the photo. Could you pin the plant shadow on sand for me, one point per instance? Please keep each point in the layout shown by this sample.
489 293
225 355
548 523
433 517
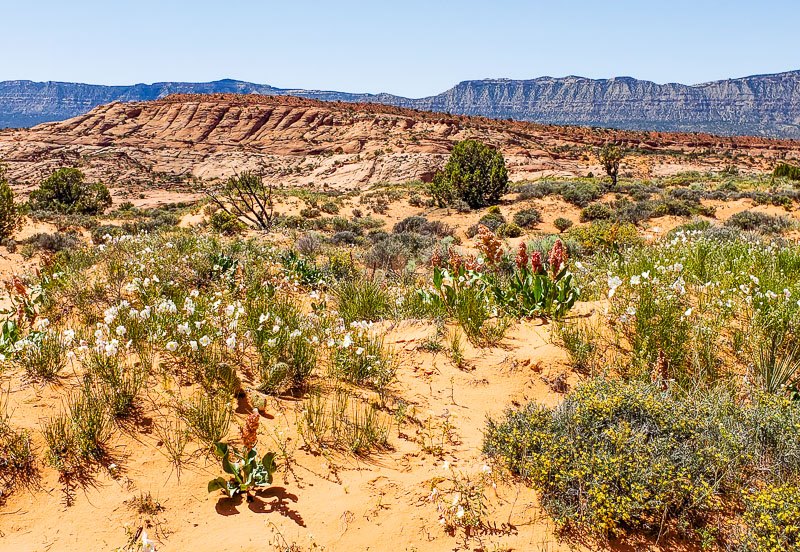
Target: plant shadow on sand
280 504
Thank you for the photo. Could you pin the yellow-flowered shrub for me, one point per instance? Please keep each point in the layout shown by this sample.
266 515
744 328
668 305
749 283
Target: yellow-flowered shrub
772 517
616 456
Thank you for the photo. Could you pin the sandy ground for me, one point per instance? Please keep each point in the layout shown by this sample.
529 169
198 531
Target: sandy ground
330 501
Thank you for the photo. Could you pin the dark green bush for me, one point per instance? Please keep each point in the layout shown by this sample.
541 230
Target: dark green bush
786 171
65 191
562 224
475 173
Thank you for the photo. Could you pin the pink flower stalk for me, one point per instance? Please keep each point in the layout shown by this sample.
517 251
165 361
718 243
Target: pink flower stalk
558 257
536 262
522 256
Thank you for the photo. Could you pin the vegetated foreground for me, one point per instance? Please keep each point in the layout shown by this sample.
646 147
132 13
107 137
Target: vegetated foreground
472 364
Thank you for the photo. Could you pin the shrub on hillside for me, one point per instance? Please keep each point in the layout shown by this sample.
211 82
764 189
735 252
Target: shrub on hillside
65 191
596 211
475 174
527 218
509 230
759 222
10 214
620 456
603 235
580 193
562 224
226 223
787 171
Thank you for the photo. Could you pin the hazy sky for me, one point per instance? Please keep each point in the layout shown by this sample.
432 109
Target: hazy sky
412 48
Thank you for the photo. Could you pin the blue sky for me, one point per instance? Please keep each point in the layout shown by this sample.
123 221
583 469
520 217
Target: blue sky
412 48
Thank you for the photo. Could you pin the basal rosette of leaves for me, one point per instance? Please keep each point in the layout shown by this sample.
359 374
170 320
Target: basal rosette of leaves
248 472
527 293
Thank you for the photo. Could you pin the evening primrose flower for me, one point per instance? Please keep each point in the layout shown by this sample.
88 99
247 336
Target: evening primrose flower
231 341
613 283
205 340
121 330
193 345
347 341
172 346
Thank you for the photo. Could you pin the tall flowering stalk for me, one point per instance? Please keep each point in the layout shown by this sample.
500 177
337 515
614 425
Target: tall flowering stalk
490 245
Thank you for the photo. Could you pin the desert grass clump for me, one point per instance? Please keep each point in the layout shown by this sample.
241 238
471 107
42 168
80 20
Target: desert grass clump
362 299
360 357
17 456
118 385
342 421
60 440
91 423
43 354
776 365
208 417
580 340
175 436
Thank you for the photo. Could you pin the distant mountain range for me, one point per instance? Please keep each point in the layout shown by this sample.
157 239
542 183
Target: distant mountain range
760 105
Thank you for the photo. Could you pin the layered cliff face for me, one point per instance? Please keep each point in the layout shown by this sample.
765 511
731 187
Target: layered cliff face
295 141
763 105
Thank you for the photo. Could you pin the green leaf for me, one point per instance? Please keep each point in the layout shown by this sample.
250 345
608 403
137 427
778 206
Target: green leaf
221 449
230 467
217 484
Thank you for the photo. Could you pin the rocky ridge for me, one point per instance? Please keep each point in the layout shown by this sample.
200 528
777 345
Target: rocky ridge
298 141
760 105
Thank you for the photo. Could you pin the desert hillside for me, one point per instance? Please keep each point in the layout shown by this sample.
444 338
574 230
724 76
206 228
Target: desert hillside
294 141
